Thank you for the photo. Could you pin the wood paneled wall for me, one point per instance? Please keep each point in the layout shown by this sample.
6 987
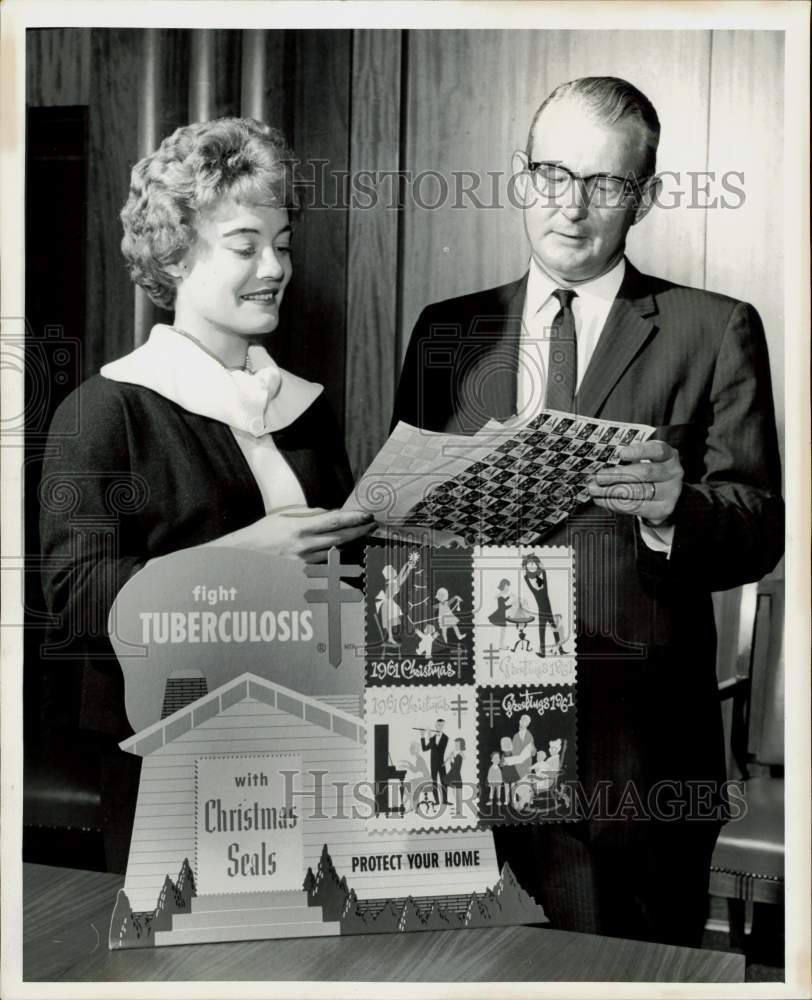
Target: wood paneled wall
437 103
115 62
312 338
57 67
744 249
373 265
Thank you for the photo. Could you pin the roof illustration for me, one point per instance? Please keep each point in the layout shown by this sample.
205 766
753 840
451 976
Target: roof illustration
247 685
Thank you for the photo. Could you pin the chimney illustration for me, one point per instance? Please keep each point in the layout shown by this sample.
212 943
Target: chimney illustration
182 688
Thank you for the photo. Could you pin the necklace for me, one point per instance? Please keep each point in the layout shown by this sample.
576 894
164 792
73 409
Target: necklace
244 367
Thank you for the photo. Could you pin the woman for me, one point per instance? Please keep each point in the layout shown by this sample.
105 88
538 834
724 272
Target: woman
497 617
524 750
389 611
197 437
454 772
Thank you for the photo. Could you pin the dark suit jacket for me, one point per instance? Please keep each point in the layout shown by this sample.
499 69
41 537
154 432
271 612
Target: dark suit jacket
437 747
694 364
541 595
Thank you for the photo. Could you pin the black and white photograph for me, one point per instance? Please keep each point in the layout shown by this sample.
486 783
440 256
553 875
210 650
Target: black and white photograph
247 244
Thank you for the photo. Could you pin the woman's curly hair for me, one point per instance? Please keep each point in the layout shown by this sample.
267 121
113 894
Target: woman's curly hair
194 168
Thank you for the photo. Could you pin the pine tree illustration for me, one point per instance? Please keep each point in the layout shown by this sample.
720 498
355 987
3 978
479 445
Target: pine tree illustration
440 919
186 882
122 932
329 892
167 905
411 918
436 918
309 885
351 903
517 906
491 902
165 896
355 918
389 918
482 910
128 929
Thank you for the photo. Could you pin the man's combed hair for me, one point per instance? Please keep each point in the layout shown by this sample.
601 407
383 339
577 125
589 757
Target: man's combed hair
194 168
609 100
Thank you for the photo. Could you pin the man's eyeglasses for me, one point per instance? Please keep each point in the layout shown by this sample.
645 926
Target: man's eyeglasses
553 180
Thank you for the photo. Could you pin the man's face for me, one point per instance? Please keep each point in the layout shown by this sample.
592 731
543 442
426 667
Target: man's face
574 238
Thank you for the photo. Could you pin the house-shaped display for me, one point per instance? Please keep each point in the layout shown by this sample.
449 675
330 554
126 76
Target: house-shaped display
250 823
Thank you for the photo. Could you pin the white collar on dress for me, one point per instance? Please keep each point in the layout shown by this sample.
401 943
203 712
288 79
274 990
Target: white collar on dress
266 399
600 291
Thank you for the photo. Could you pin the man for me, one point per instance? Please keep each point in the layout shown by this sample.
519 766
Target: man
436 744
535 576
693 510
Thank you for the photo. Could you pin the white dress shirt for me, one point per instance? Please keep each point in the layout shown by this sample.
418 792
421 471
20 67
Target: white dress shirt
590 309
252 403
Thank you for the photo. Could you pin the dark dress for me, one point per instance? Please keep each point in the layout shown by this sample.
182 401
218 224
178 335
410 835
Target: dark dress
498 616
453 775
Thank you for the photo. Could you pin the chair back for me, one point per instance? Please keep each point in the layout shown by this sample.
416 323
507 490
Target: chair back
562 756
765 731
750 665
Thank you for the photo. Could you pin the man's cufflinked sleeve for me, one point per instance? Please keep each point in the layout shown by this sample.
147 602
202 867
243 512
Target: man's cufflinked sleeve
659 539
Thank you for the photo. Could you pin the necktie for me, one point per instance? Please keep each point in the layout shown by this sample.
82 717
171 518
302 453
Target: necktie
562 365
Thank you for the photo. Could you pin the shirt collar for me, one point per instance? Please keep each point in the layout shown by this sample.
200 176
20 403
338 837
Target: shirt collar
600 291
267 399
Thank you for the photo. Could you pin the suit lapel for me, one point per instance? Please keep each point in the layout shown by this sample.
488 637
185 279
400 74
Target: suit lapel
628 327
488 364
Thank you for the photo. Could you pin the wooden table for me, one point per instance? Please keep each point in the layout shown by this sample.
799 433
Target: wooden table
66 916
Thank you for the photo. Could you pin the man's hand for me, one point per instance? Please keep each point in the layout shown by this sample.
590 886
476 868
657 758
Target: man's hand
647 484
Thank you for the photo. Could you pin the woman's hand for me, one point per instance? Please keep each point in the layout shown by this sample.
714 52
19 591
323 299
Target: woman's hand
305 533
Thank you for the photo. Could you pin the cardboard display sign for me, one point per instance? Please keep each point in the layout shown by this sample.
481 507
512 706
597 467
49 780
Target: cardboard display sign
285 789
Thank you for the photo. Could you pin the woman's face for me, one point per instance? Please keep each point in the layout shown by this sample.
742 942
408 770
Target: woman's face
234 276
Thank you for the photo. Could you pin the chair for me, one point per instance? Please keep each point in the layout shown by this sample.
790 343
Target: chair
747 868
